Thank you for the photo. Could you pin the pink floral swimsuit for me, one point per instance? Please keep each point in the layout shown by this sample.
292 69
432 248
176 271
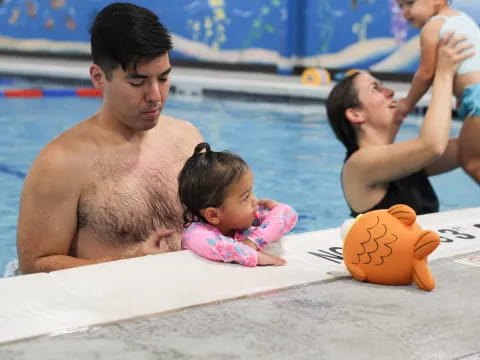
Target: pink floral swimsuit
268 226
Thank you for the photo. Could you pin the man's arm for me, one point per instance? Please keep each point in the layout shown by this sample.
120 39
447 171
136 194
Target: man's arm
48 213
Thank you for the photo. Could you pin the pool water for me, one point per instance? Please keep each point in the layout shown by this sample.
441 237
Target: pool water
294 155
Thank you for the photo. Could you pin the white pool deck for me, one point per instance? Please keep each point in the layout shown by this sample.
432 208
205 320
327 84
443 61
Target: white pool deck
178 306
64 309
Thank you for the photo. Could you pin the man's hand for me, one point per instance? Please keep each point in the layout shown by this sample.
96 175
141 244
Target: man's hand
155 243
269 259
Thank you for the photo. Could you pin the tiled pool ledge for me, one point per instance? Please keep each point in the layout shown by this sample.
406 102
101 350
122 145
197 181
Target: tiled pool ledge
194 81
68 300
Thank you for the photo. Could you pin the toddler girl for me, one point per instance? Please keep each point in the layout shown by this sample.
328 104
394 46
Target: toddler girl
223 219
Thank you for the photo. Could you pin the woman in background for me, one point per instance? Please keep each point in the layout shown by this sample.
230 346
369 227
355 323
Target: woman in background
379 172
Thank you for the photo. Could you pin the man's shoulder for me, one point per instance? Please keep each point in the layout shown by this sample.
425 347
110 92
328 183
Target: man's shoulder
182 128
66 149
178 123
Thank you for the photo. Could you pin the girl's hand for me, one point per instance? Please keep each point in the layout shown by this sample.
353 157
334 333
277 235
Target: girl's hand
269 259
267 203
452 50
250 243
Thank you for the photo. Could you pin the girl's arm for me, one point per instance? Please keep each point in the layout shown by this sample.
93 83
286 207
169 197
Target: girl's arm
273 224
423 78
207 242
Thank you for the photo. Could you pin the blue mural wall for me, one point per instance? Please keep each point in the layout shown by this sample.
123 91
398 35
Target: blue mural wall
368 34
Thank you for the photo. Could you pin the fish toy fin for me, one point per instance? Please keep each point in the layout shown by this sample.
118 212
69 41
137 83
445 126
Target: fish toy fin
403 213
422 275
426 244
357 273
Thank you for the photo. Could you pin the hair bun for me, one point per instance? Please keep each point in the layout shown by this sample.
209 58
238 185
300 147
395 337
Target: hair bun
201 147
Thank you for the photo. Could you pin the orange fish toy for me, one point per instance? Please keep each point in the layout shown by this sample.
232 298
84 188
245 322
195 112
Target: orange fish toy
389 247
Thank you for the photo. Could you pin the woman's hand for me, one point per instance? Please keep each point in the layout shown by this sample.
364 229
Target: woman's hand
402 110
452 50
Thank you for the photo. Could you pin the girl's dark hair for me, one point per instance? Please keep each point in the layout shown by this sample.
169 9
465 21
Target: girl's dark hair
123 34
343 96
203 181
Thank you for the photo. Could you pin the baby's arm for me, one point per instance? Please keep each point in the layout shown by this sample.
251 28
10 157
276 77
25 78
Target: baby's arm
209 243
274 223
423 78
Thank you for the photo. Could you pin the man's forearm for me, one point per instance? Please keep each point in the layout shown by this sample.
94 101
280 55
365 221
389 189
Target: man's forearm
60 262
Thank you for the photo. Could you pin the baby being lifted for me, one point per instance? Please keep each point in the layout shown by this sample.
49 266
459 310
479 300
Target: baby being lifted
436 18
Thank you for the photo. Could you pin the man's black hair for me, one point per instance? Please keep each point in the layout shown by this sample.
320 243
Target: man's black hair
123 34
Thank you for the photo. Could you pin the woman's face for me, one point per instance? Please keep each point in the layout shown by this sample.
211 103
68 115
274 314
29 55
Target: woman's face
377 103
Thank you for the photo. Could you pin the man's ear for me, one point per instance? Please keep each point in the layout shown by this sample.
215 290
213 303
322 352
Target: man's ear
212 215
354 115
97 76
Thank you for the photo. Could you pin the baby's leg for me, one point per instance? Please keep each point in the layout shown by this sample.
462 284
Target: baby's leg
469 147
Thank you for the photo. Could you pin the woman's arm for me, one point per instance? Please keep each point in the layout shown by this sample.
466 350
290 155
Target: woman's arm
449 160
379 164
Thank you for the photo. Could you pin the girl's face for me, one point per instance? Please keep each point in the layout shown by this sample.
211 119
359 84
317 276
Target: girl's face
238 209
418 12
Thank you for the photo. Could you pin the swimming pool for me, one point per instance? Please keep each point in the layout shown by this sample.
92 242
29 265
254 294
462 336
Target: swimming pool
291 149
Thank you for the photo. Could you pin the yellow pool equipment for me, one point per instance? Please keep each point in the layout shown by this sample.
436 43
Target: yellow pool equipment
316 77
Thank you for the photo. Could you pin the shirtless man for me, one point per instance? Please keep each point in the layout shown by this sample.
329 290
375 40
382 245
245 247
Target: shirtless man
106 189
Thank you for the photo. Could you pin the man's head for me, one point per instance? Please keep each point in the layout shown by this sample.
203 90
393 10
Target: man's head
124 34
130 65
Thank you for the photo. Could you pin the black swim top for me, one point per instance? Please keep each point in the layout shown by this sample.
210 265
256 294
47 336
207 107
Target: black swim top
414 190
